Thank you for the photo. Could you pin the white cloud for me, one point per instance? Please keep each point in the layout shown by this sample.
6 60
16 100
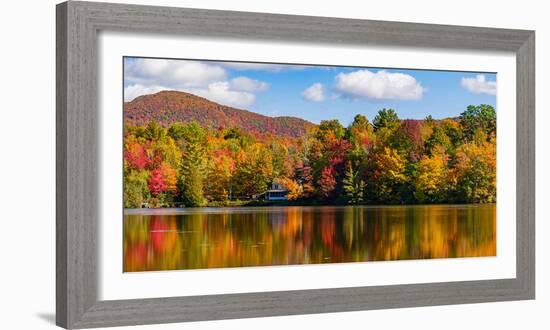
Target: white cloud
221 92
133 91
174 74
479 85
248 85
314 93
379 85
209 80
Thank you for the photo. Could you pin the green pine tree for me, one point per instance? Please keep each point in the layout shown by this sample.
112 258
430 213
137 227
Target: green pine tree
354 186
193 165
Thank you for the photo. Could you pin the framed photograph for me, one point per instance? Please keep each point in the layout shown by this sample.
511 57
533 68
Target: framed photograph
217 164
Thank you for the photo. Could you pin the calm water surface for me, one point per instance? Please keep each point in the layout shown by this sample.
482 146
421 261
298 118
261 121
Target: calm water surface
169 239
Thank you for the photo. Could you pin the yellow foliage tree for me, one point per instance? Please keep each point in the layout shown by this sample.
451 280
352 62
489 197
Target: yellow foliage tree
475 172
389 174
431 182
170 176
295 191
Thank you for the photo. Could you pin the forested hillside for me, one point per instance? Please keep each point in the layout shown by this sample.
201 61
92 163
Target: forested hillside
169 107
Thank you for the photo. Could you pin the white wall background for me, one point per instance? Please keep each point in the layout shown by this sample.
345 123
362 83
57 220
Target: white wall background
27 163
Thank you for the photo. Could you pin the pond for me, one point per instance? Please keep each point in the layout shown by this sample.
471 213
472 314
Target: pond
170 239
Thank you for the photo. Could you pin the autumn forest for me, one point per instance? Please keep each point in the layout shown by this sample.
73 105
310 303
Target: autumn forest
380 160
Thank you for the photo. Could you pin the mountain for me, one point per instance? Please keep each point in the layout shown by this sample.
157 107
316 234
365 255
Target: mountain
168 107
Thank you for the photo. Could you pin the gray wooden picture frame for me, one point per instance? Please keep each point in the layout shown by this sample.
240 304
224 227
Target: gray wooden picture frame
78 24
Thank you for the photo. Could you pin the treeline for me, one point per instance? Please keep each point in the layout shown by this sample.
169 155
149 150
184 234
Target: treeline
388 161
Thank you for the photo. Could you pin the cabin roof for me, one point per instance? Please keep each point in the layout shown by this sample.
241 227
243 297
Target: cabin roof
273 190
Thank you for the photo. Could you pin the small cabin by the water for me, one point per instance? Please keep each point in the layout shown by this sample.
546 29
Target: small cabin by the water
276 193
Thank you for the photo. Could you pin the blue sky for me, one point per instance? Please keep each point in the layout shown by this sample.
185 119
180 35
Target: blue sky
313 93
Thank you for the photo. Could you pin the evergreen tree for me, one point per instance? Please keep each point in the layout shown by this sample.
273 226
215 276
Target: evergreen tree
386 118
193 165
354 186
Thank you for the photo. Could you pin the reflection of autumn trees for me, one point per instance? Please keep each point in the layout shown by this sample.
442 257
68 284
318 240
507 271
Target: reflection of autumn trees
297 235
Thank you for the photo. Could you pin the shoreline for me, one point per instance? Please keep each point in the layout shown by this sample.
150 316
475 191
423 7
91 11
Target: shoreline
274 208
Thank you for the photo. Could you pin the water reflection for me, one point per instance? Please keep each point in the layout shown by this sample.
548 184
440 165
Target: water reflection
235 237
